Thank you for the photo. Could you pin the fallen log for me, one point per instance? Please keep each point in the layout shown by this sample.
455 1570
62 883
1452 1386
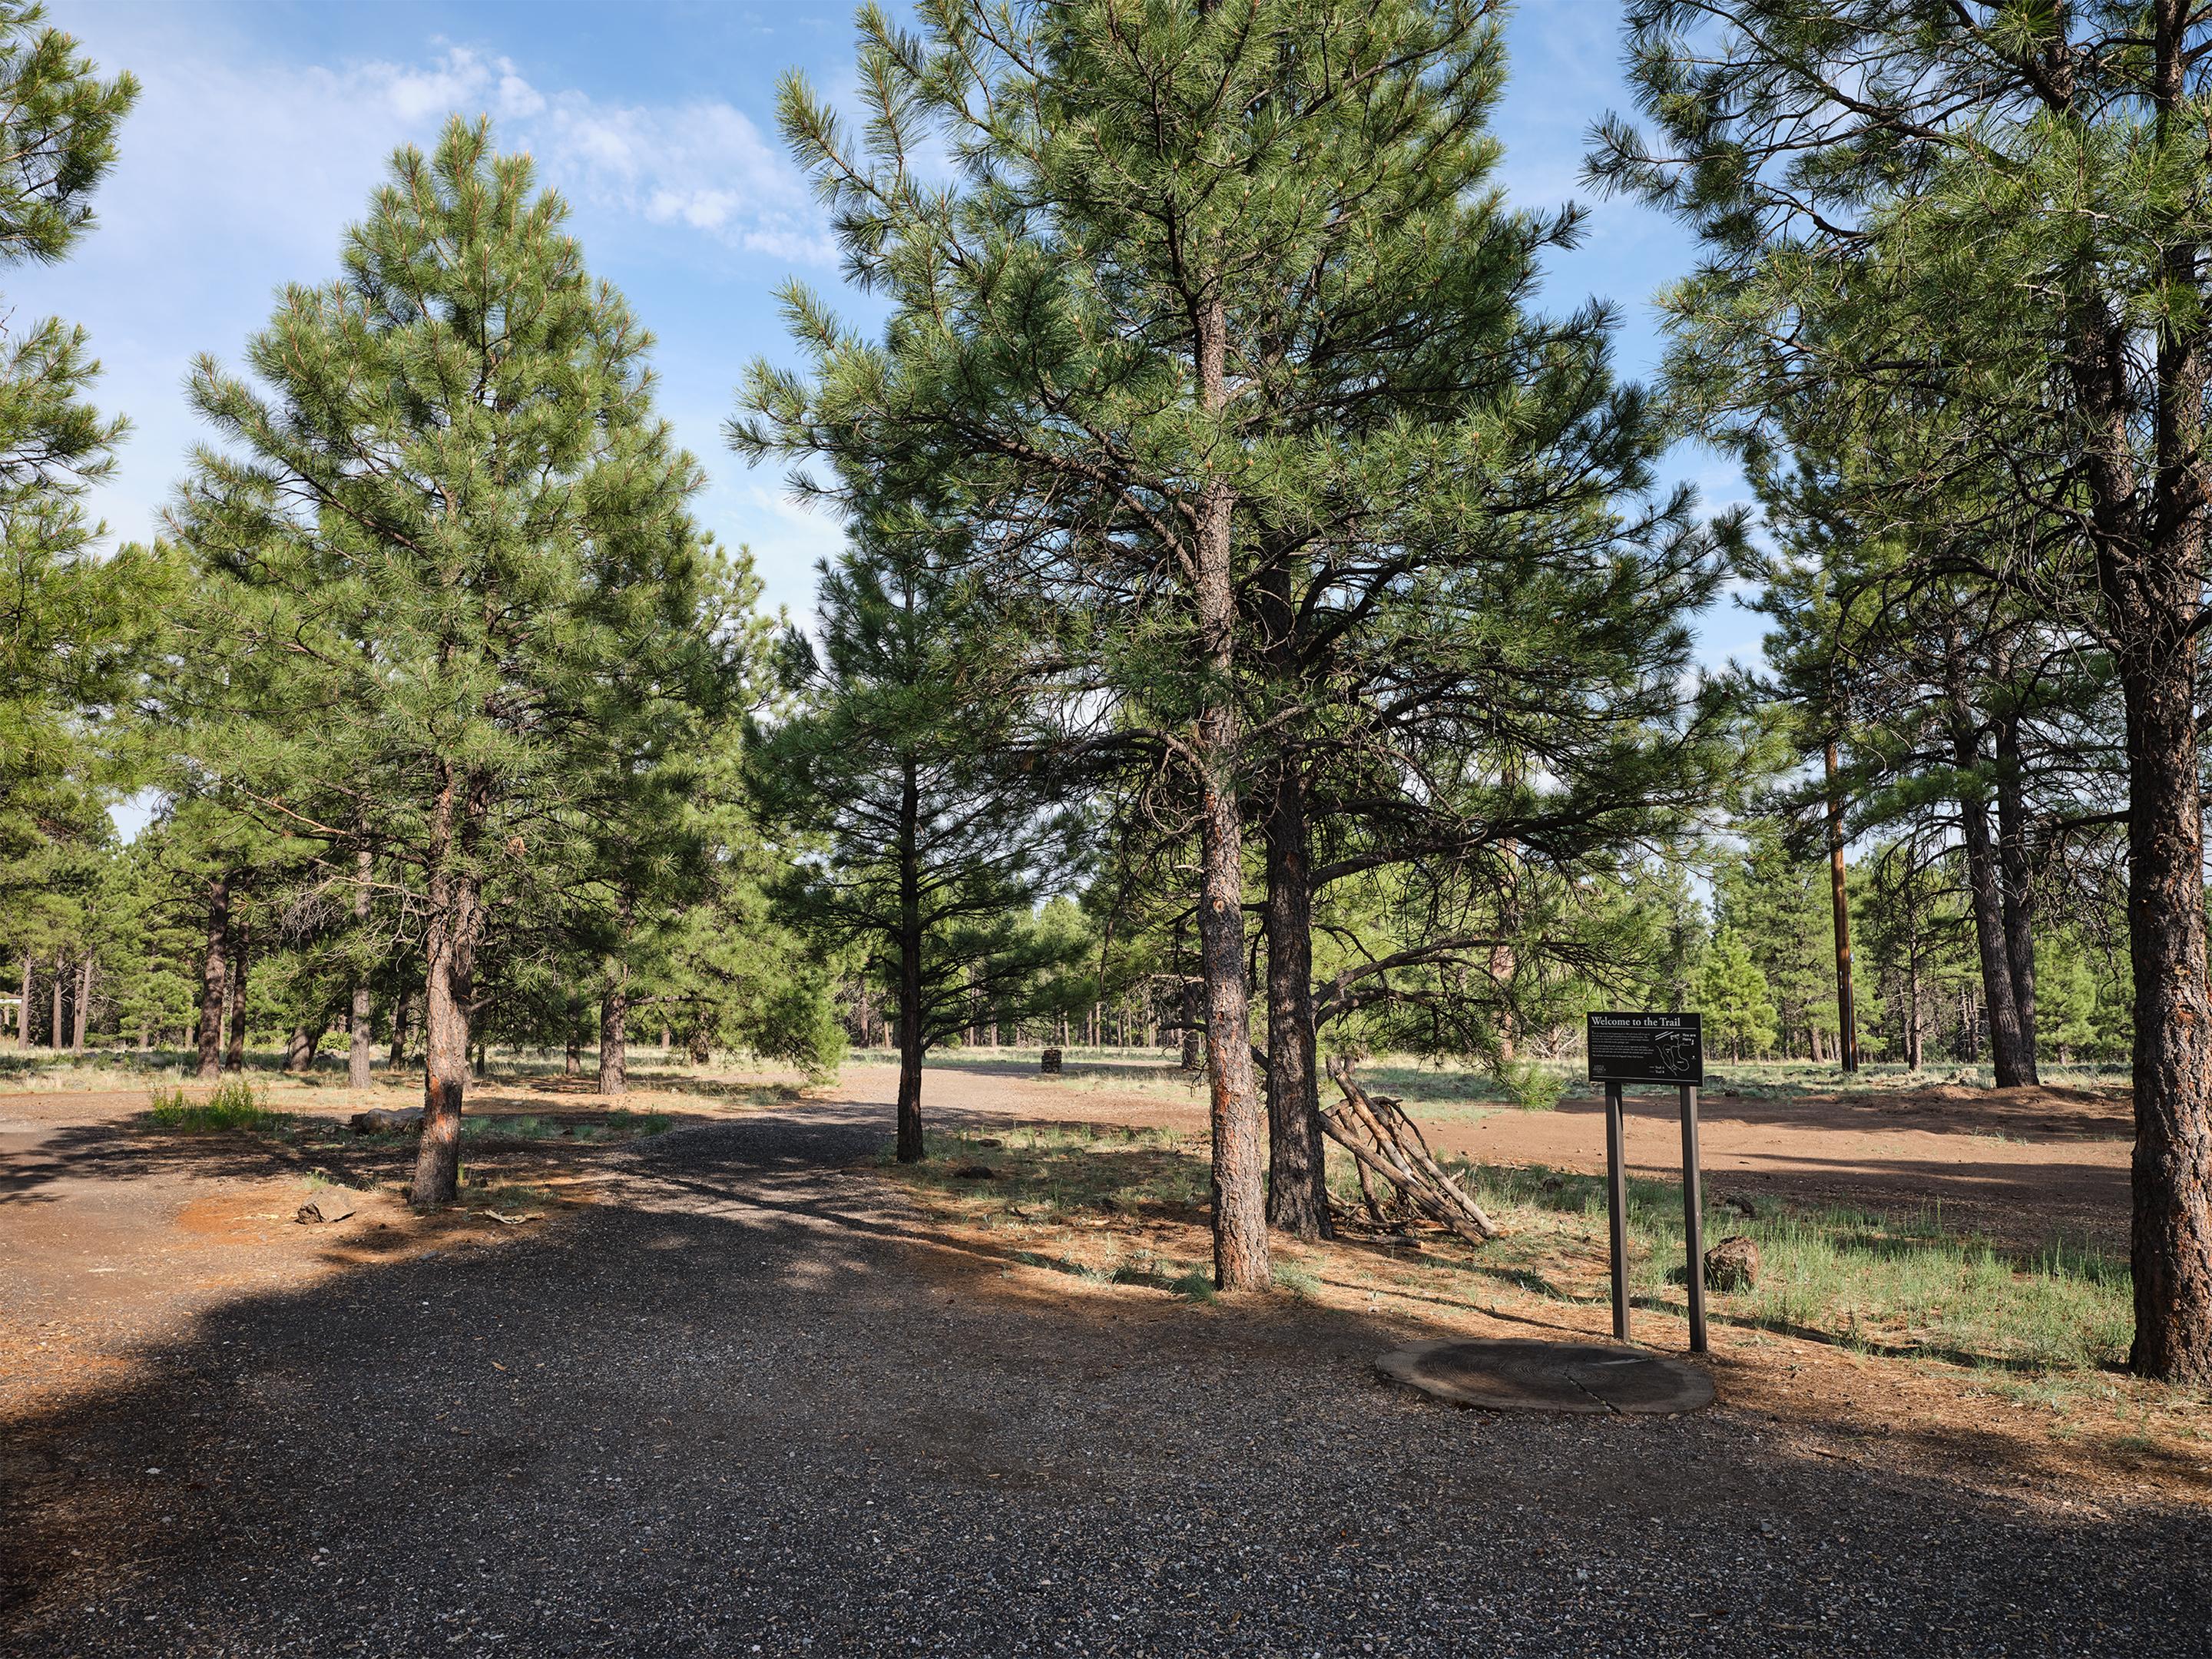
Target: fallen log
1382 1141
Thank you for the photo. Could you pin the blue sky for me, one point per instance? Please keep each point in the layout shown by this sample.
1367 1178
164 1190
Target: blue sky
265 126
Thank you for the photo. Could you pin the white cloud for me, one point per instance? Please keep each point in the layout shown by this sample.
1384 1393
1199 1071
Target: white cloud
285 153
238 172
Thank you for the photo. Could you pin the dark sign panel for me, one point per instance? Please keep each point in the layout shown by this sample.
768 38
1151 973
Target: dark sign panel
1647 1048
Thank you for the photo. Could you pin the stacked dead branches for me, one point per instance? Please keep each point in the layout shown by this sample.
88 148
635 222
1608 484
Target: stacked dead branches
1383 1141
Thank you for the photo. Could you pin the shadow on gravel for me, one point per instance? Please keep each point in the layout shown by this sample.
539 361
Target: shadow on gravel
750 1399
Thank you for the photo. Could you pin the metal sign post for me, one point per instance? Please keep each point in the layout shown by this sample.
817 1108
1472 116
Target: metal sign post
1616 1203
1693 1218
1665 1048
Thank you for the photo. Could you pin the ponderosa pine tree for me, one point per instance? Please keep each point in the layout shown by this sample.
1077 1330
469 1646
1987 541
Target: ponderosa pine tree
71 623
446 531
918 786
1218 301
2002 208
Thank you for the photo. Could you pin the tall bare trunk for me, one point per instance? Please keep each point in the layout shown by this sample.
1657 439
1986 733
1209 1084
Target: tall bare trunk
1847 1015
215 966
23 1007
2150 575
295 1048
2016 887
614 1005
1913 1010
58 1028
2171 1232
1240 1193
1297 1182
614 1035
402 1003
361 1040
910 1145
82 1012
449 982
234 1060
1982 888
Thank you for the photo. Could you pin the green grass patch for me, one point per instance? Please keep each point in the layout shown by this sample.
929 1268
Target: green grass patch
235 1105
620 1124
1065 1167
1910 1286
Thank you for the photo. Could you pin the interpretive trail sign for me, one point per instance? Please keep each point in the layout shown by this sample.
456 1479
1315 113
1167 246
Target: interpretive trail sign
1646 1048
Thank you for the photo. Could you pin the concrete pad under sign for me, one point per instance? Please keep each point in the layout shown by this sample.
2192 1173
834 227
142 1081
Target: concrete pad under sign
1514 1374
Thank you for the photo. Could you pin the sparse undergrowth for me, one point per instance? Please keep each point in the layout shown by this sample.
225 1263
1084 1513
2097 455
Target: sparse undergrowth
1910 1288
235 1105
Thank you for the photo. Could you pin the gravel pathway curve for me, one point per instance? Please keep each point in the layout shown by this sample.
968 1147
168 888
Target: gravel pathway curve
748 1407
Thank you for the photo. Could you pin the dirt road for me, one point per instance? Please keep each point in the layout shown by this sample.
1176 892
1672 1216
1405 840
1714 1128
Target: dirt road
748 1401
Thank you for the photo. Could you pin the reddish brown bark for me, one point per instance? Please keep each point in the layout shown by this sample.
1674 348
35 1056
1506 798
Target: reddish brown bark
1240 1202
2150 574
1297 1185
449 982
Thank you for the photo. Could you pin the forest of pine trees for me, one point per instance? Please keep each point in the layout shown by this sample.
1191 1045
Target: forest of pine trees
1265 632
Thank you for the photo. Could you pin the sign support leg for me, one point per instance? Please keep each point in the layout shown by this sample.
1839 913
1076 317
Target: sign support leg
1693 1229
1616 1195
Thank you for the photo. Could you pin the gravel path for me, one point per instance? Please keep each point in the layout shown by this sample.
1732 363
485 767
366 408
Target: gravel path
749 1407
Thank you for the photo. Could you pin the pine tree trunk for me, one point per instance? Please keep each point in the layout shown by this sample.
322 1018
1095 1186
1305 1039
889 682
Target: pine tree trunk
2016 890
1297 1183
614 1035
614 1004
57 1031
1193 1026
449 985
234 1060
295 1050
447 990
83 1010
2170 1234
215 966
402 1005
1240 1194
1981 882
2150 574
316 1029
911 1148
1912 1002
23 1007
1847 1015
572 1062
361 1040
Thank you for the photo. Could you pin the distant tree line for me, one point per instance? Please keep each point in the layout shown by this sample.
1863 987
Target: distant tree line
1260 619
